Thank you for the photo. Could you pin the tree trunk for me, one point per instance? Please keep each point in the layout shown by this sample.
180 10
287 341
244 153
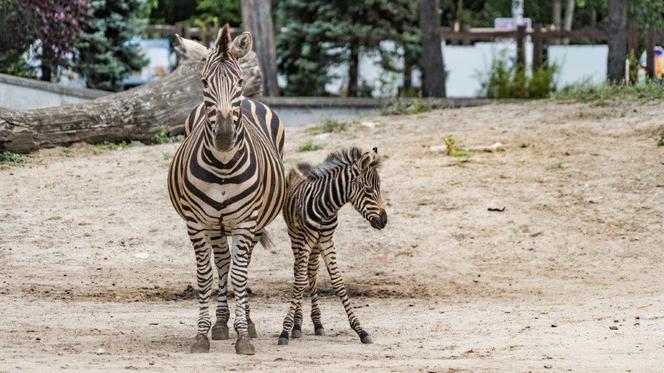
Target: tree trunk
257 19
136 114
569 15
433 84
555 18
617 32
353 70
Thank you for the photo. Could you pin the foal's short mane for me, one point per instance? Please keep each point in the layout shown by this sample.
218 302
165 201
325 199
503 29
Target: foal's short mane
340 158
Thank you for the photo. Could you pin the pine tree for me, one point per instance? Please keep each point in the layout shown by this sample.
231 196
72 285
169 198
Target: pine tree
317 34
106 54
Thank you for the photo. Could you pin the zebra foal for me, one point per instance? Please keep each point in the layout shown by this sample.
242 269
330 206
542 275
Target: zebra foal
314 197
226 180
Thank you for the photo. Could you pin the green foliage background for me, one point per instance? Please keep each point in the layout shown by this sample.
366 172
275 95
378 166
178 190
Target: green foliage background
106 54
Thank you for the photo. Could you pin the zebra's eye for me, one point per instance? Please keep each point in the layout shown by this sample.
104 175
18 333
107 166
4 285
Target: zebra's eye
205 83
240 82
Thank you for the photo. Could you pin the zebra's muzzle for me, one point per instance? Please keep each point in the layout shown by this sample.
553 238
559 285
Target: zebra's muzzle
380 221
224 135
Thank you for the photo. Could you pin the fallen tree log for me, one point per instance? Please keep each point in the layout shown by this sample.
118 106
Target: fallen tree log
135 114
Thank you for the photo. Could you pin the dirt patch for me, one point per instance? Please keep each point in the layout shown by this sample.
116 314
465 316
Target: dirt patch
483 252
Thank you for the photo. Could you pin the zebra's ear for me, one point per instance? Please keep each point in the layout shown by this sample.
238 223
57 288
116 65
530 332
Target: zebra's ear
190 49
241 45
223 39
368 159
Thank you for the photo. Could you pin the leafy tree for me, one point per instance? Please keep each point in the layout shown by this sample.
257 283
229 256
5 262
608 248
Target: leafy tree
319 34
218 12
195 13
106 54
16 21
56 24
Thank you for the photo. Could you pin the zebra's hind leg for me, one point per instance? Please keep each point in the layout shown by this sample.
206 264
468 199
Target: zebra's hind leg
300 281
222 259
250 324
313 286
203 254
297 323
330 258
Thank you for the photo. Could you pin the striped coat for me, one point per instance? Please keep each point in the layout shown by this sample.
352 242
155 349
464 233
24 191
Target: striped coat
227 182
315 195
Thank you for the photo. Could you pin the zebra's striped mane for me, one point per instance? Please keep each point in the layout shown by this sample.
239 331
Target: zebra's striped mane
340 158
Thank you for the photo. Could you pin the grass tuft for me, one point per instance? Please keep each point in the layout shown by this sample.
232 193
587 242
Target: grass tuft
601 95
329 125
162 137
452 149
13 159
309 146
403 107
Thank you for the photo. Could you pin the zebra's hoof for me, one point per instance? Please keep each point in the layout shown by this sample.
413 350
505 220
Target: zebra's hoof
319 331
283 339
219 331
201 344
252 329
243 346
296 332
365 338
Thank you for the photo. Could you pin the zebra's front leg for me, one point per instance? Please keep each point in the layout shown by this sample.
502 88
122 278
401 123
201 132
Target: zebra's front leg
198 237
313 289
251 327
330 258
222 259
299 283
242 241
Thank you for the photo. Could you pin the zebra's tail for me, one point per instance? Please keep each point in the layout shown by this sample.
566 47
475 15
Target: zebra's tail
266 240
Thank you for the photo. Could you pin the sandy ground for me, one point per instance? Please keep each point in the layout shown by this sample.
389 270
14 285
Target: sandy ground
96 267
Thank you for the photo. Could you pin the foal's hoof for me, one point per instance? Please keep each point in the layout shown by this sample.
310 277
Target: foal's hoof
319 331
201 344
244 347
219 331
296 332
283 339
252 329
365 338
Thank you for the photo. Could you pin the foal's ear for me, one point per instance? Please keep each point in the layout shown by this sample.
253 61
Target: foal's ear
368 159
241 45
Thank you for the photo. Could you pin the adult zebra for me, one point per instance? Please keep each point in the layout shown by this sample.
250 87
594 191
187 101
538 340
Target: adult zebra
315 195
226 180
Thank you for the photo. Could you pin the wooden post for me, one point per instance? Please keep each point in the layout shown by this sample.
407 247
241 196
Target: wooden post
257 19
650 52
466 35
537 47
520 47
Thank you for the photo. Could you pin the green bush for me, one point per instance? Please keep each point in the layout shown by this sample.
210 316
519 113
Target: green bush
506 81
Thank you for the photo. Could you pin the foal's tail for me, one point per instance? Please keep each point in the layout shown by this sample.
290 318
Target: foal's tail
266 240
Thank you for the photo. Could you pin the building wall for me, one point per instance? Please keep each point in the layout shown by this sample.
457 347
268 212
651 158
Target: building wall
20 93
